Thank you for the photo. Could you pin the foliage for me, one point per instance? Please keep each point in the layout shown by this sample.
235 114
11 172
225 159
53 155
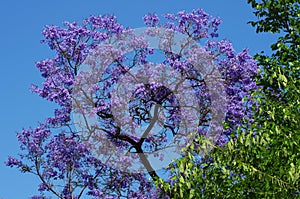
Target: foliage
263 162
55 151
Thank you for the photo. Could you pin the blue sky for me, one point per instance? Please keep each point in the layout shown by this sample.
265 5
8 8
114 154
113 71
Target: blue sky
21 26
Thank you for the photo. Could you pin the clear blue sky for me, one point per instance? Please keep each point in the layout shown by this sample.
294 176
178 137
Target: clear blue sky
21 26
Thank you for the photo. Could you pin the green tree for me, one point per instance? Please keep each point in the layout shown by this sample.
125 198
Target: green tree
264 160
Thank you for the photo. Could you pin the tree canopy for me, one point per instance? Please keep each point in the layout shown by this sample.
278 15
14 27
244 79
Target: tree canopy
263 162
253 154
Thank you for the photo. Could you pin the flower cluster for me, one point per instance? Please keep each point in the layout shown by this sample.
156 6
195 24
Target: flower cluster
237 69
196 24
165 95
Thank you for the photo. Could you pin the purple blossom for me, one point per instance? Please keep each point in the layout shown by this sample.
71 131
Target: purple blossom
43 187
55 152
196 24
151 19
13 162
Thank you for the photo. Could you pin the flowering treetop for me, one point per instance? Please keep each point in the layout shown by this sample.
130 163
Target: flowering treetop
103 74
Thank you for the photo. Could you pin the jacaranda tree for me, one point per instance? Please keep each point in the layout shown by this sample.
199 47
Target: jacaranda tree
263 161
118 113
